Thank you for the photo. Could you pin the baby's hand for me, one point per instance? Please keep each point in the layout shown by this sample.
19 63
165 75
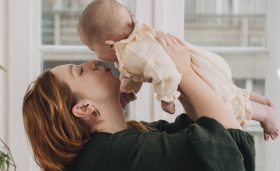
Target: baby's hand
168 107
125 98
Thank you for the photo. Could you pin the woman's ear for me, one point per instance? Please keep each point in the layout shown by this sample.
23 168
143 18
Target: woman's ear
83 108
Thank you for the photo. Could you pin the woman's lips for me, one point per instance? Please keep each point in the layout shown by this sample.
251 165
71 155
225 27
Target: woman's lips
108 69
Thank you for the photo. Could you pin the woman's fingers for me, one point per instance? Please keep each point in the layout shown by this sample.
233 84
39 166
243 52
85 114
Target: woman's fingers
179 41
161 39
172 40
167 41
176 49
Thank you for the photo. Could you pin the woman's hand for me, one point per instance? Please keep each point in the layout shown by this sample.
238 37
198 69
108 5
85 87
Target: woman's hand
176 49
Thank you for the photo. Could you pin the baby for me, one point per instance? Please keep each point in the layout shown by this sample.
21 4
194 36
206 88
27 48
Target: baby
107 28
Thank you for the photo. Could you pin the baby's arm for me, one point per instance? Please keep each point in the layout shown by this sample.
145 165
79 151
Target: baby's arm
145 57
128 89
126 98
165 78
128 85
165 85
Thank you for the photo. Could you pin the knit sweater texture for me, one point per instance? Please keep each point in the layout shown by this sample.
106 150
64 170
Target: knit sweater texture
183 145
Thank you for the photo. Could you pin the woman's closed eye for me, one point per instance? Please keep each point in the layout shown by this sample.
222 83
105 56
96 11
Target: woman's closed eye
81 70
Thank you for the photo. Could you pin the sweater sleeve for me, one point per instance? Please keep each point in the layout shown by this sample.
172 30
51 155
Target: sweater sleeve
246 145
182 121
204 145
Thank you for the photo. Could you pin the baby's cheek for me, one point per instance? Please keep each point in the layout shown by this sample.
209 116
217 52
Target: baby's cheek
110 57
101 57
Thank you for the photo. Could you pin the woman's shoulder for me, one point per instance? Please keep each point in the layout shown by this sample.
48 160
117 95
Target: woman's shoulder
182 121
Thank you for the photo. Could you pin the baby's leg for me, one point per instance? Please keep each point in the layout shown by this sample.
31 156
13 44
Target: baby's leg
260 99
267 118
168 107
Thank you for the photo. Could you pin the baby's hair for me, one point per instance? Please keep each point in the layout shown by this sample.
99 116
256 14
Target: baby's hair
103 19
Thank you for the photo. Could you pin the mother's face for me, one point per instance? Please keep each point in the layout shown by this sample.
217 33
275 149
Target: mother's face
88 81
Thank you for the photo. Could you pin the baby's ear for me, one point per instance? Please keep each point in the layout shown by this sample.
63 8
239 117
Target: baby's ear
110 42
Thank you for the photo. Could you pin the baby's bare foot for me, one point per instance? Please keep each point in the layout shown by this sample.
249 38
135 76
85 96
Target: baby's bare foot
270 125
168 107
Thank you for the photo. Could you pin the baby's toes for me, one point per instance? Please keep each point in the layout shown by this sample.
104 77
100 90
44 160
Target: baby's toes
266 137
272 136
275 135
277 132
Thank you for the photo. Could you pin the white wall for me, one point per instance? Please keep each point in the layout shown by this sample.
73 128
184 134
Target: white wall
3 76
272 80
17 52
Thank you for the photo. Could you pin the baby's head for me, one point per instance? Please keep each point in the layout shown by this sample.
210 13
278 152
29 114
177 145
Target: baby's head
102 23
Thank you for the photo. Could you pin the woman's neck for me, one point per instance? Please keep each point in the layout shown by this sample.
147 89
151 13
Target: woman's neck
111 118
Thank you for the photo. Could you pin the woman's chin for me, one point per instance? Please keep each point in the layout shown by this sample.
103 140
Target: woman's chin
117 82
114 84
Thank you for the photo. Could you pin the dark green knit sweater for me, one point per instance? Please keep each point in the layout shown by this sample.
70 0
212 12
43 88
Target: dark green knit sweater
179 146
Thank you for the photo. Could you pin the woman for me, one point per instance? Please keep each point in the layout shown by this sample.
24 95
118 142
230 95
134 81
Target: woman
74 121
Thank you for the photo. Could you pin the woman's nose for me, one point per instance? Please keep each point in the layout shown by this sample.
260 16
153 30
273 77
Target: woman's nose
89 65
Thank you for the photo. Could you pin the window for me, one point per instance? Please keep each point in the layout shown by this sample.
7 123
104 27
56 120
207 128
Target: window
225 22
236 28
231 23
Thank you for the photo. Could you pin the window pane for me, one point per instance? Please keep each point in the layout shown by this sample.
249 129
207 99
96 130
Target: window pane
258 85
225 22
60 19
248 70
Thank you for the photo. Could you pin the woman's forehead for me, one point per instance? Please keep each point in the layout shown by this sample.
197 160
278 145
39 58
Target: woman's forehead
61 68
62 72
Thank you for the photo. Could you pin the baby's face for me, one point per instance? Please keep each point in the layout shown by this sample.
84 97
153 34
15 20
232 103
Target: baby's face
104 52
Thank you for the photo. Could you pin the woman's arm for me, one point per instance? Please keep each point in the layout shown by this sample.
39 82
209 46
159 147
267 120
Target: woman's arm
203 99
